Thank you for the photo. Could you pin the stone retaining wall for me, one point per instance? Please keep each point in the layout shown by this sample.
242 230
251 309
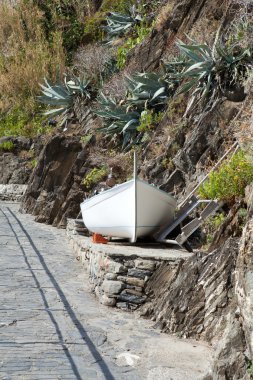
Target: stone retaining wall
120 272
12 192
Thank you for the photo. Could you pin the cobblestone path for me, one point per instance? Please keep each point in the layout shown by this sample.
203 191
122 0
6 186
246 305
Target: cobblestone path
52 328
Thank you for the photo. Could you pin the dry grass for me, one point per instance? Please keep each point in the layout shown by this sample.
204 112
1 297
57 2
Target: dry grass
205 23
116 85
92 59
164 15
25 55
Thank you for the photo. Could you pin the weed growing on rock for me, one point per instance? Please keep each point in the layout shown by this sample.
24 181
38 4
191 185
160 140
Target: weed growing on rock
86 139
230 180
116 5
139 34
7 146
211 225
149 120
94 23
93 30
33 163
95 176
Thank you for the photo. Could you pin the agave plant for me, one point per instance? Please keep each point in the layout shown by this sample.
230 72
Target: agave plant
210 72
118 120
62 95
119 23
148 90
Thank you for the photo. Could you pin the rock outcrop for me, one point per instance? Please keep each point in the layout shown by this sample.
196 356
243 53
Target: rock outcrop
14 167
55 191
210 297
195 300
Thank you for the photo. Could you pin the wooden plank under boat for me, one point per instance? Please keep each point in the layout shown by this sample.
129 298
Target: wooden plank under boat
131 210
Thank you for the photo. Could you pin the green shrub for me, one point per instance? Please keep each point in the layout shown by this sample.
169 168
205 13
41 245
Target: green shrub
116 5
86 139
123 51
18 122
93 30
148 90
33 163
7 146
94 176
212 224
140 111
149 120
230 180
66 17
139 34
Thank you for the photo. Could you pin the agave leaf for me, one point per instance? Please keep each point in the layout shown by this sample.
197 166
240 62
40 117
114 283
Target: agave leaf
184 48
51 90
55 112
208 86
52 102
119 16
187 86
199 67
144 95
129 125
54 94
158 93
62 94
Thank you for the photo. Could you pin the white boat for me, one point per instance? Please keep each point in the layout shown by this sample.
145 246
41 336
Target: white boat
131 210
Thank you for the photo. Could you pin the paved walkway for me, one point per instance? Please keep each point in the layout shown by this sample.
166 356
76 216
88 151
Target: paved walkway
52 328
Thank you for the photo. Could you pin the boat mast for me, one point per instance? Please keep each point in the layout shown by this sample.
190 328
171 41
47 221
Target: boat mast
134 238
135 165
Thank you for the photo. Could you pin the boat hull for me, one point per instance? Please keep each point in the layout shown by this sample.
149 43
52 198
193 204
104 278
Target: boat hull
131 210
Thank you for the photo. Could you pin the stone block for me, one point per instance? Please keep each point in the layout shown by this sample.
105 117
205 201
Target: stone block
122 305
139 273
114 267
107 301
98 292
137 288
129 263
131 298
111 276
145 264
132 281
132 291
112 287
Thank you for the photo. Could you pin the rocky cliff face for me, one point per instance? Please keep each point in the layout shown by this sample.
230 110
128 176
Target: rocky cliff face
55 192
14 167
210 297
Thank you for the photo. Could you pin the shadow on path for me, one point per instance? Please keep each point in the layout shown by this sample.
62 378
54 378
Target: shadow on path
97 356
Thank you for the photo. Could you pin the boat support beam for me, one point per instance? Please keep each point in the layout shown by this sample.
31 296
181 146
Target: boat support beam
187 230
